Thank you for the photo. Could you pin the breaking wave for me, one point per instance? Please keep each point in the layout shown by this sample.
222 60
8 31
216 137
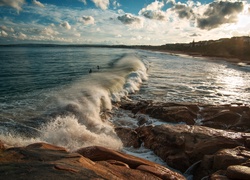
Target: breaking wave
79 114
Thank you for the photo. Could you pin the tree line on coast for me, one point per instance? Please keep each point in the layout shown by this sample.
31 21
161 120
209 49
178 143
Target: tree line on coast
235 47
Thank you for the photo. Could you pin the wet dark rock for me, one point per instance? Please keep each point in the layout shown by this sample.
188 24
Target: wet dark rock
187 144
128 136
221 160
167 112
238 172
228 117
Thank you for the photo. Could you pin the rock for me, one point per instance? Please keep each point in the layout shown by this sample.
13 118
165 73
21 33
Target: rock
187 144
221 160
128 136
46 161
100 154
226 117
1 146
227 157
233 116
167 112
219 175
238 172
222 120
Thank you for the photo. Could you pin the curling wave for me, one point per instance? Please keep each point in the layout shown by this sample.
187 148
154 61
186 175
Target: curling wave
81 112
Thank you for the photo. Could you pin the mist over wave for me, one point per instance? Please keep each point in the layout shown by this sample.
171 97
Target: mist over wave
79 114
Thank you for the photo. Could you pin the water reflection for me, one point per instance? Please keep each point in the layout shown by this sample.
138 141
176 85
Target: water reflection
178 79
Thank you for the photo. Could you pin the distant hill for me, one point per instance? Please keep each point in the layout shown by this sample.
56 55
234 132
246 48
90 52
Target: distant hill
235 47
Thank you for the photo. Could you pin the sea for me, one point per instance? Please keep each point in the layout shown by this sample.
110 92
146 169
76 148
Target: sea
68 95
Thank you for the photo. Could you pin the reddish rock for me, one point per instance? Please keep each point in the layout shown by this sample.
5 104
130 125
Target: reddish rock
1 146
221 160
219 175
128 136
222 120
100 154
233 117
168 112
45 161
187 144
238 172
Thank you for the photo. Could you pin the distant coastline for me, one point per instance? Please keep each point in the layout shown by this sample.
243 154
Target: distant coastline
235 49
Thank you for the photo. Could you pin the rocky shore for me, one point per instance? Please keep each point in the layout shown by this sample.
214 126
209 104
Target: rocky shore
203 141
200 141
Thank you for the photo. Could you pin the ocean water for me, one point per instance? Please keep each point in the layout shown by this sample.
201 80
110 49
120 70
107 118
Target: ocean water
47 93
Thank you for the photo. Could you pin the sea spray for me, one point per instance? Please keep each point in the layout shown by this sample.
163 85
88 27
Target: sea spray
80 113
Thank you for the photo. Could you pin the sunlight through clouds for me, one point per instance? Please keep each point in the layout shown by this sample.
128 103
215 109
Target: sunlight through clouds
156 22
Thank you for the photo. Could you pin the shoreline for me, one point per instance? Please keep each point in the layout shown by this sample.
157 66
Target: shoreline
196 54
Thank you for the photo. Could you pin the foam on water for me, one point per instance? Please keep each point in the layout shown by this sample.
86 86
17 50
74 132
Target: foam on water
80 113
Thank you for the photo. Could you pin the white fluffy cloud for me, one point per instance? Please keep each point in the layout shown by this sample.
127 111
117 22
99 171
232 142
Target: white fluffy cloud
155 24
86 20
66 25
38 3
49 31
16 4
103 4
153 11
4 28
3 33
129 19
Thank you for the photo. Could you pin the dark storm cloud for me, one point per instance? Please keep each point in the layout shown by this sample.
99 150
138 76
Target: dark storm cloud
219 13
128 19
183 11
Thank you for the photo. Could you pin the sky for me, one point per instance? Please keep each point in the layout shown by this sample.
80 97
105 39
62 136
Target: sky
121 22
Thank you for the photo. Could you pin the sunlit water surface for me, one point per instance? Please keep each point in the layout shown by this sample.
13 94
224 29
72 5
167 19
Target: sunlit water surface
47 93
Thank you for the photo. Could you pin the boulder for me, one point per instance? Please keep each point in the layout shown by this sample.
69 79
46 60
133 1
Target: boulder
221 160
46 161
100 154
187 144
238 172
229 116
167 112
2 147
128 136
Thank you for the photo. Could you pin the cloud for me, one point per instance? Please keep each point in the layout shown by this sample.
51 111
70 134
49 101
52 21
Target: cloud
83 1
86 20
49 31
116 4
37 3
128 19
153 11
218 13
103 4
183 10
16 4
3 33
194 35
21 36
4 28
66 25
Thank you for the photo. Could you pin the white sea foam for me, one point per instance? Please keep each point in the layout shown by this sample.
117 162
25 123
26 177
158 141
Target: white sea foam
82 110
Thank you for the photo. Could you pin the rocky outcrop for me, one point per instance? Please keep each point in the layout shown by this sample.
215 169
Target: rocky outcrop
45 161
167 112
223 162
214 144
187 144
228 117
